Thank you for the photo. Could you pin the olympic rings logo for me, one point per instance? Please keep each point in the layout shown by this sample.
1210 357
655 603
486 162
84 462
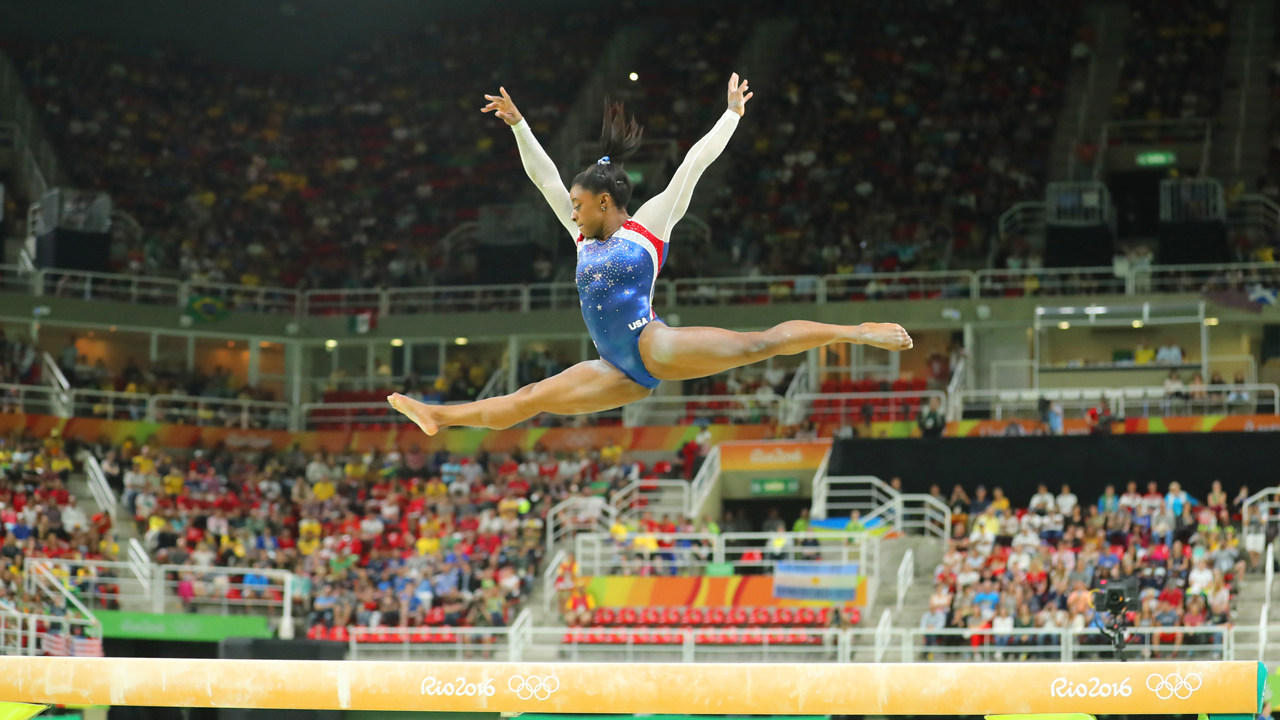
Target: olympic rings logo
1174 685
533 686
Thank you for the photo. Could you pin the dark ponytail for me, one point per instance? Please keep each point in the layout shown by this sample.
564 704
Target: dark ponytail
619 140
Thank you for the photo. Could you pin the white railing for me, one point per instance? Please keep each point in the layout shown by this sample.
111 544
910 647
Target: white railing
102 493
879 506
432 643
32 634
139 583
139 562
884 632
811 289
704 482
219 412
659 497
102 583
690 645
1123 401
108 404
906 576
549 575
600 553
854 407
578 514
721 409
1048 281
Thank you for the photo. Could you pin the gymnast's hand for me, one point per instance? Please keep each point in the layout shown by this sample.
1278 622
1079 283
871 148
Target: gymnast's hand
738 95
504 108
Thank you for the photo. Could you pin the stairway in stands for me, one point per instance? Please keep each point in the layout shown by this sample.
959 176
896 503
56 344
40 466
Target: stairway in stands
1241 134
1089 90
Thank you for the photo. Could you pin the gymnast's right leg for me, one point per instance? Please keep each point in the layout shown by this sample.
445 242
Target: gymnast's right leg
588 387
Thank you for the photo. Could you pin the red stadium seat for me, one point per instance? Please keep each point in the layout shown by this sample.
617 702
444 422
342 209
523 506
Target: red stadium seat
603 616
695 617
807 617
674 616
717 616
739 617
784 617
626 617
651 616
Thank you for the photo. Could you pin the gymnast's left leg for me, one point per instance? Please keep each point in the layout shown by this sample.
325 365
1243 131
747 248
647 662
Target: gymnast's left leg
693 352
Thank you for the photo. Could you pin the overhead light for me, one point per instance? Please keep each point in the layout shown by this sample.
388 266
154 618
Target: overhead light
634 77
397 343
331 344
231 343
1137 323
112 328
460 341
1064 325
264 344
1211 321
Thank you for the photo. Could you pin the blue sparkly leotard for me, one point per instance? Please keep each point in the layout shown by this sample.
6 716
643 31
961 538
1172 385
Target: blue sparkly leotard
615 288
616 275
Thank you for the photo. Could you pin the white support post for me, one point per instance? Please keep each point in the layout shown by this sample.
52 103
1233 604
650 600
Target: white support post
513 359
286 620
687 646
254 355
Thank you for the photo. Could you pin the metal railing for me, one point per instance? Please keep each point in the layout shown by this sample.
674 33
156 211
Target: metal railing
575 515
1123 402
549 575
881 508
659 497
704 482
499 644
101 491
219 412
854 407
600 554
682 409
810 289
138 583
1192 200
906 576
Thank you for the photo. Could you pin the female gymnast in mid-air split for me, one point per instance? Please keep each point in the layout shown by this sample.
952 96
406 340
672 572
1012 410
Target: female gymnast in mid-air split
619 257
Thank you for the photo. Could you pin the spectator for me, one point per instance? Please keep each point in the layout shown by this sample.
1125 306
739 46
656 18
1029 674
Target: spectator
931 421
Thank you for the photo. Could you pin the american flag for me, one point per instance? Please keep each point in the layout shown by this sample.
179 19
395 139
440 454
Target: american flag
57 646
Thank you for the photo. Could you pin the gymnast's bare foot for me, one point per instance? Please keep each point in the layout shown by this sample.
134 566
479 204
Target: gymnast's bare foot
886 336
419 412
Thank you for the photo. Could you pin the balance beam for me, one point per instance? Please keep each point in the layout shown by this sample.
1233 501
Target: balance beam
666 688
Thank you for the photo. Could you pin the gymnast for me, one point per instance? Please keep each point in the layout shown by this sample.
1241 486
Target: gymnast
619 258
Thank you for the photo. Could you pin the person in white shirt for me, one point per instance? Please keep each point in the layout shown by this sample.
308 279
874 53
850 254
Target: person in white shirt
1131 499
1002 629
1067 501
1043 501
1200 578
1026 539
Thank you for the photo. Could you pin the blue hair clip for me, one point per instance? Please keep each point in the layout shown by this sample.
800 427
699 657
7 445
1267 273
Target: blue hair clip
603 161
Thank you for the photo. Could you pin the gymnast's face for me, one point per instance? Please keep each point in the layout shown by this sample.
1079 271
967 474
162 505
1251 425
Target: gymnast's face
590 211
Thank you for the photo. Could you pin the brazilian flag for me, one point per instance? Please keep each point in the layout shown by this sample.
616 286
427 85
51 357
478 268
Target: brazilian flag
203 308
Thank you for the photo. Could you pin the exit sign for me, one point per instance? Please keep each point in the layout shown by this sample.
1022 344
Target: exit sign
1156 158
779 486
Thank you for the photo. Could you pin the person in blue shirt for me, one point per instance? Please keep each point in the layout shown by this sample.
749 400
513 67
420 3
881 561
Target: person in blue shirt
1177 499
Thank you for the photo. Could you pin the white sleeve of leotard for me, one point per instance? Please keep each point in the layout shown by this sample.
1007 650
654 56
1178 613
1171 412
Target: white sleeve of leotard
664 210
542 171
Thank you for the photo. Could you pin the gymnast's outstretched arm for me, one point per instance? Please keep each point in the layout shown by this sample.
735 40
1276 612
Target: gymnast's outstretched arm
664 210
537 164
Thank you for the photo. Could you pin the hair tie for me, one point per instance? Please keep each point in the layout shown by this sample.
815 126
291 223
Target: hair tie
603 161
